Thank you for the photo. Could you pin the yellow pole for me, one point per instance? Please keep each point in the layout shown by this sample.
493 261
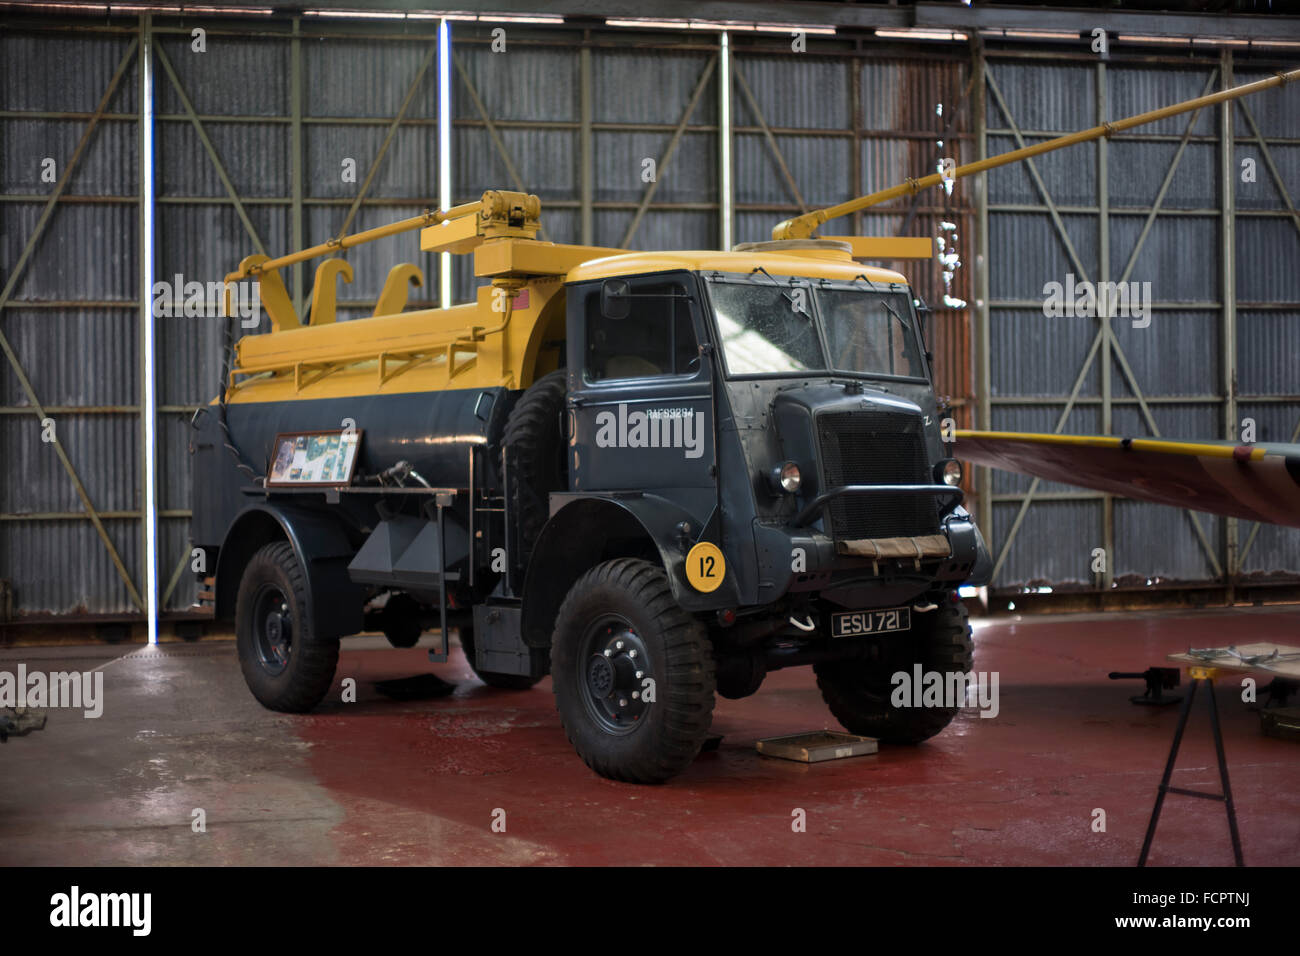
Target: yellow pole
802 227
356 239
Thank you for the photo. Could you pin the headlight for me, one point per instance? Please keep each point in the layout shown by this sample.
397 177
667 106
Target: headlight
948 471
785 477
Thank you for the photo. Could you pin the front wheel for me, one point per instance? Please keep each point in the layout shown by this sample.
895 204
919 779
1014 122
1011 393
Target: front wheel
285 665
859 693
633 674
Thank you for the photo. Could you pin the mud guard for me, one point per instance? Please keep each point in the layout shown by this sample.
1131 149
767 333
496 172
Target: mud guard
579 534
322 547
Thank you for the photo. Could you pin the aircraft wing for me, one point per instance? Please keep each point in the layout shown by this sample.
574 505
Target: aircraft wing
1256 482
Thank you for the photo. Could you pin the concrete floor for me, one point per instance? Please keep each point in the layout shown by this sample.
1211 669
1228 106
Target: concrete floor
383 782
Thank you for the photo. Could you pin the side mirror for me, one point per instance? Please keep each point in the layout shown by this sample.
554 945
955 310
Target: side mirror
615 299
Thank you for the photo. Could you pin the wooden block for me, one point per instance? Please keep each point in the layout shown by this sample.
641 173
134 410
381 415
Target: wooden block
818 745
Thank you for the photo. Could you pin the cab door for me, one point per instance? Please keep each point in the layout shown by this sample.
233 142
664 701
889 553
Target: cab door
641 407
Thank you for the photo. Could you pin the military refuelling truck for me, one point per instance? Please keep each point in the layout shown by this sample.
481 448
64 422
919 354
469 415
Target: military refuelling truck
654 476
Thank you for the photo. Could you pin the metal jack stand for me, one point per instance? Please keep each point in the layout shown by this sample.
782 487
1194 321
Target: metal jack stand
1158 679
1198 675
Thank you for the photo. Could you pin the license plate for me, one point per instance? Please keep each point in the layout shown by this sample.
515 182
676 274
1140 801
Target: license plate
865 623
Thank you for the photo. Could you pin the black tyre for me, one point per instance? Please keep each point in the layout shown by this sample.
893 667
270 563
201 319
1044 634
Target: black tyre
285 665
500 681
618 626
858 692
534 432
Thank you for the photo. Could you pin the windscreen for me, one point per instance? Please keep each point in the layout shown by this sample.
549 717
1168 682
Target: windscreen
772 327
762 330
869 332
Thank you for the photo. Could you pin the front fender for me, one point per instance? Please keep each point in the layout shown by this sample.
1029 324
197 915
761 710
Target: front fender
585 530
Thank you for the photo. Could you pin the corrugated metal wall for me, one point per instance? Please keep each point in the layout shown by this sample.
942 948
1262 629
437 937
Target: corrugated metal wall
252 139
1268 292
71 321
1172 377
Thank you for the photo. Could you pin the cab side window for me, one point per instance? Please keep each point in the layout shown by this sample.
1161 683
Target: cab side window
657 339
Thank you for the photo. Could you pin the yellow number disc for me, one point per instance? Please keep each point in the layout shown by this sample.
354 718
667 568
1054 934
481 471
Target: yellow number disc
705 567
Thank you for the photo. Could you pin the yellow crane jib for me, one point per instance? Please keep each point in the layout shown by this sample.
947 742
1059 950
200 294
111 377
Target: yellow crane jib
803 227
251 268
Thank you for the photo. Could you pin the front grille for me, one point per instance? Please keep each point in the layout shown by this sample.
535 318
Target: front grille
876 448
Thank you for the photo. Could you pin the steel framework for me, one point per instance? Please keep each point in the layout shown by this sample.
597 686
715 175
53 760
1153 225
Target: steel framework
727 111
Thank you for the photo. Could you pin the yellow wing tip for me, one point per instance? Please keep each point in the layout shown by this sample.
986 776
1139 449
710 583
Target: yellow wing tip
1160 446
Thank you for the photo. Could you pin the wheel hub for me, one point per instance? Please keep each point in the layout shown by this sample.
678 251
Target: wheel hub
600 677
614 676
275 631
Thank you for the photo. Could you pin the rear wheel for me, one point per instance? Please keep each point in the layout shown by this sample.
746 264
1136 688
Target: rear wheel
534 434
285 665
633 673
858 692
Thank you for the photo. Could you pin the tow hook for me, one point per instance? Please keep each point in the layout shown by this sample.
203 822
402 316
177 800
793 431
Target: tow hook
923 608
810 626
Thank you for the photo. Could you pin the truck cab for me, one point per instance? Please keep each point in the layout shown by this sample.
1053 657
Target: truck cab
761 430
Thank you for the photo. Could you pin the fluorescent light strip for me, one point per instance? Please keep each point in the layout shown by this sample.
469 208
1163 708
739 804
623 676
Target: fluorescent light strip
719 25
1189 41
1034 34
355 14
910 34
1180 41
509 18
444 151
147 318
433 15
239 11
649 24
61 7
724 144
1135 38
123 8
656 23
792 28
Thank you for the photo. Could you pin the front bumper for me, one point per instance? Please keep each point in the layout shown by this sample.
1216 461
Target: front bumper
873 572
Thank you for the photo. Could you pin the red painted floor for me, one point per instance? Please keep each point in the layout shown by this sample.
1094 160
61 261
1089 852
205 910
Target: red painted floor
420 783
379 782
